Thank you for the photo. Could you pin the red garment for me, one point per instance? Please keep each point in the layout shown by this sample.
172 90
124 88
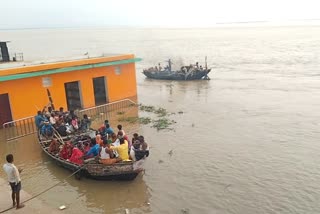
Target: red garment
76 156
66 151
54 146
101 129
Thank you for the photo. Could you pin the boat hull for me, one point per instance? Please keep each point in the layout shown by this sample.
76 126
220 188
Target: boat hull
118 171
163 75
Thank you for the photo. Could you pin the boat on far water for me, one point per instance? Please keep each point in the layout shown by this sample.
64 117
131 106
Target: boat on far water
191 72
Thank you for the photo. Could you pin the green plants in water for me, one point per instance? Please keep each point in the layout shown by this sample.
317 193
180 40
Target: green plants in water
161 112
147 108
145 120
162 123
141 120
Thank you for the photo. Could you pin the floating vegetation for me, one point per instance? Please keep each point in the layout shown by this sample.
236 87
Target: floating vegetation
147 108
120 113
145 120
141 120
161 112
162 123
180 112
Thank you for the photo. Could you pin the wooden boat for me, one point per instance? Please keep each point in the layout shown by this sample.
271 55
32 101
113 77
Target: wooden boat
192 72
92 169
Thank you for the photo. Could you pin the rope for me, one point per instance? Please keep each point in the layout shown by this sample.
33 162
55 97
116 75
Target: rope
63 180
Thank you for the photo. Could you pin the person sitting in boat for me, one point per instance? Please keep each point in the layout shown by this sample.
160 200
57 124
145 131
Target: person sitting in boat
103 127
66 150
106 154
62 130
140 149
86 147
108 130
99 140
74 123
52 118
121 129
201 68
94 150
54 146
122 150
135 137
115 140
159 67
85 123
76 156
61 112
39 120
197 64
47 129
125 137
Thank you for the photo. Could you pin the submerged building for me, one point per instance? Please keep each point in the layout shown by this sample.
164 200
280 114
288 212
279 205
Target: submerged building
74 84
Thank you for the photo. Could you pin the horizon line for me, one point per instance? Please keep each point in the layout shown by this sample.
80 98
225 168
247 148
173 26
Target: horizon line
218 24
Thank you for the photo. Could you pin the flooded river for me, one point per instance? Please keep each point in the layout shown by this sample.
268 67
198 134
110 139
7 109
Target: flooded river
244 142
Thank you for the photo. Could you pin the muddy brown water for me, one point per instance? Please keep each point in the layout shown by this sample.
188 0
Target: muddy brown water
245 142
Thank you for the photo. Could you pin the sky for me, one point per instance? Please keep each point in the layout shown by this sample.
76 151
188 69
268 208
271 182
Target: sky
150 13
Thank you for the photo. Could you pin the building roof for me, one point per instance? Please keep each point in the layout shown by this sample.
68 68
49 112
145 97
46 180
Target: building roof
65 66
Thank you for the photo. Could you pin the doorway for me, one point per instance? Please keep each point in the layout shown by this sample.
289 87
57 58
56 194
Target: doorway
99 88
73 95
5 110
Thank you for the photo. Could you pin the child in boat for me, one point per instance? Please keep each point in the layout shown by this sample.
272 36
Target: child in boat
106 154
120 129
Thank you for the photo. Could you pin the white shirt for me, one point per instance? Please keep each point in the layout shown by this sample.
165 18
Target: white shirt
52 120
116 143
12 172
104 154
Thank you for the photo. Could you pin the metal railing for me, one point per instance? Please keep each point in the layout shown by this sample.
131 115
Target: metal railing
19 128
26 126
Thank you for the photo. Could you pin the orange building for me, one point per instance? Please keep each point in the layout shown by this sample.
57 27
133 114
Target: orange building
72 84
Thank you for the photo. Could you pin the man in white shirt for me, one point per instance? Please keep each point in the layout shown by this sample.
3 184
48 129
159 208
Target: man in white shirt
14 180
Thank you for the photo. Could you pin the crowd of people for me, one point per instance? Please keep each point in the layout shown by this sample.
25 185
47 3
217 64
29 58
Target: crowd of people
63 122
108 146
